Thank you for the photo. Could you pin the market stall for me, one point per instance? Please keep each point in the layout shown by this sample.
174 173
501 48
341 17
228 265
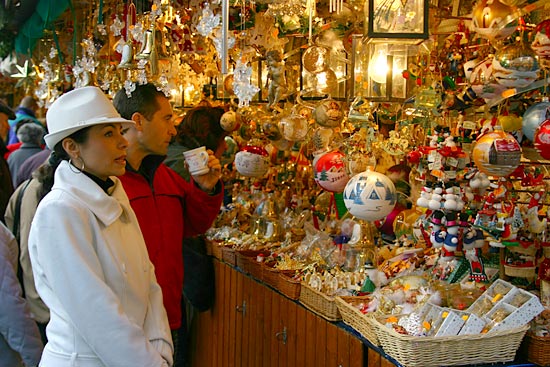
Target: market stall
386 169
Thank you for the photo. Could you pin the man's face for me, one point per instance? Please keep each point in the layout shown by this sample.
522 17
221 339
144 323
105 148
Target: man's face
157 132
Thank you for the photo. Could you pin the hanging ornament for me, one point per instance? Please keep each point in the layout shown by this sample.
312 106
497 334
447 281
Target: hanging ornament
542 139
493 19
208 21
252 161
242 86
370 195
117 27
229 121
315 59
515 66
533 117
541 42
330 171
129 87
328 113
497 153
293 127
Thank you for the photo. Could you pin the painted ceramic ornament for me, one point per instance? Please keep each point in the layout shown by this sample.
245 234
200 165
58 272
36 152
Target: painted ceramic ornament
229 121
494 20
330 171
497 153
542 139
252 161
515 66
370 195
328 113
533 117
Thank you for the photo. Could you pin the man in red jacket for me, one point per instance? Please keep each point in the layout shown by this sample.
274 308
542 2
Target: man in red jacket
168 208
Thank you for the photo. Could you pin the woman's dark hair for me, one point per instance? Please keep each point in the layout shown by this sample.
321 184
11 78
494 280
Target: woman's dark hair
143 100
45 173
201 126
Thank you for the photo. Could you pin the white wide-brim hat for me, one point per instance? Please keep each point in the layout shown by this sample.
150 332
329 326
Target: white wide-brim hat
78 109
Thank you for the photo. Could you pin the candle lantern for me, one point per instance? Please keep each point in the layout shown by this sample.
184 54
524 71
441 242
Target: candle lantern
378 67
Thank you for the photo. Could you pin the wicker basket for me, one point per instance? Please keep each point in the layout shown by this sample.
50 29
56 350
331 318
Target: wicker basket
229 255
352 316
319 303
538 349
412 351
246 261
287 285
270 275
216 250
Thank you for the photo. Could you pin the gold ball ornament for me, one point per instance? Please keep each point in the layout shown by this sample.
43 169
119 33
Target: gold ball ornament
228 84
497 153
510 122
493 19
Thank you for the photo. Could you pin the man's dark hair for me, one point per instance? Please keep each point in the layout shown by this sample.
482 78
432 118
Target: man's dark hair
143 100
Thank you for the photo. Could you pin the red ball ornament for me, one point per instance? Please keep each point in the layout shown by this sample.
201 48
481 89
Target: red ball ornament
330 172
542 139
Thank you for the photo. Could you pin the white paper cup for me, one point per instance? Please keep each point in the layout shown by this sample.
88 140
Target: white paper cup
197 161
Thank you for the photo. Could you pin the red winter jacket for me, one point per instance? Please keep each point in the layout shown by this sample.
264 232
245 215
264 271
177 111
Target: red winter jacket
169 210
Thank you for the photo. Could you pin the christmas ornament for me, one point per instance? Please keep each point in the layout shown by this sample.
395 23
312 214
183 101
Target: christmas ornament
252 161
542 139
242 86
315 59
293 127
328 113
330 171
515 65
208 21
533 117
370 196
541 42
497 153
494 20
229 121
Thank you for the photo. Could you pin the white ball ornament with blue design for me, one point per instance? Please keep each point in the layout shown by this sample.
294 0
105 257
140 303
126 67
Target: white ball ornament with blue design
370 195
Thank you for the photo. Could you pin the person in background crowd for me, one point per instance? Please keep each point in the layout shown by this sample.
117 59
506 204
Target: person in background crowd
30 165
88 256
30 135
200 127
27 196
6 184
168 207
20 343
26 110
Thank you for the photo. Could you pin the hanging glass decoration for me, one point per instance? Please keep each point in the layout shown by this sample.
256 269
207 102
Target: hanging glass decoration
244 89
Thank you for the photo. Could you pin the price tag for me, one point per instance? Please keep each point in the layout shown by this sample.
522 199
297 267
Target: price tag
452 162
451 175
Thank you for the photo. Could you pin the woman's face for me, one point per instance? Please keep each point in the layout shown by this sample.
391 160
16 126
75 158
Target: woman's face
104 151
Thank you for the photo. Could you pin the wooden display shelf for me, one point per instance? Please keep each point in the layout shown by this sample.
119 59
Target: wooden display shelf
253 325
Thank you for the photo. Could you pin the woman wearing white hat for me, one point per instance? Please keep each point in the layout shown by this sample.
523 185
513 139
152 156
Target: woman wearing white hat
89 260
